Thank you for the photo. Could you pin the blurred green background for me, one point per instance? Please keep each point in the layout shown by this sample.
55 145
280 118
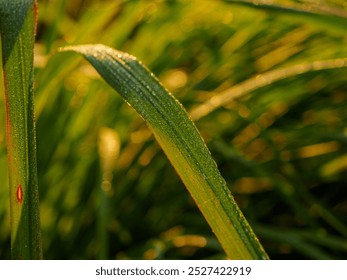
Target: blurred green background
106 189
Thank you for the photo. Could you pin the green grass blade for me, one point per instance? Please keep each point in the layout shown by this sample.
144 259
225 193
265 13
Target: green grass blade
294 240
17 27
182 144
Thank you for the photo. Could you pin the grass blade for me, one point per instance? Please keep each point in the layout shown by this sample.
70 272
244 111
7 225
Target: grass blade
182 144
311 8
263 80
313 12
17 27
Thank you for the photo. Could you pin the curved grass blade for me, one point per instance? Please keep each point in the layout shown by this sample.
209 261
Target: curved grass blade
315 12
308 8
17 27
182 144
262 80
312 8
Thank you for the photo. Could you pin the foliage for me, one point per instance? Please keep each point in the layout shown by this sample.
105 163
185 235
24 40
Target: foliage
281 147
17 28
